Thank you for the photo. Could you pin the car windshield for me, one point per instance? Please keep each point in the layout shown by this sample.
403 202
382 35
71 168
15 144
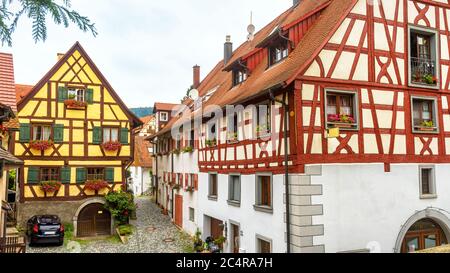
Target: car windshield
48 220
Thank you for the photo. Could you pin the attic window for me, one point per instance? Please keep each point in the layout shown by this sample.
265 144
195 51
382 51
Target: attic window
76 94
239 76
278 51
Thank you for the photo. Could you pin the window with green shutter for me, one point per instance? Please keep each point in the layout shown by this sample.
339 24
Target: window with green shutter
58 133
24 132
90 96
81 175
97 135
62 94
65 175
124 136
109 175
33 175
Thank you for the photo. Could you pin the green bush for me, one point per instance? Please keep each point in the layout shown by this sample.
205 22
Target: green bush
125 230
121 205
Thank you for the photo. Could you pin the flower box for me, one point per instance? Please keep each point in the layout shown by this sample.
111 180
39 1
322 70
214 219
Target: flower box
111 146
50 186
3 130
211 143
41 145
188 150
74 104
189 189
426 129
96 185
342 125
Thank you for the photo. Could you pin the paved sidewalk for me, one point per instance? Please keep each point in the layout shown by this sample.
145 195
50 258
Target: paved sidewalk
154 233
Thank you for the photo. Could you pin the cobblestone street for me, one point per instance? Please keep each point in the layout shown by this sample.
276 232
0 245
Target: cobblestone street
154 233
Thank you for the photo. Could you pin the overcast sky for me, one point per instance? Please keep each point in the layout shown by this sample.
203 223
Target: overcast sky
146 48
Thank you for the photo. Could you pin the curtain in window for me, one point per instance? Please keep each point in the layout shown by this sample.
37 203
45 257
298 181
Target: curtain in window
36 133
346 105
106 135
114 134
46 131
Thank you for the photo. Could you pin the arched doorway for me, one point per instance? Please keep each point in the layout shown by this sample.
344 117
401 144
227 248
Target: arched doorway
94 220
424 234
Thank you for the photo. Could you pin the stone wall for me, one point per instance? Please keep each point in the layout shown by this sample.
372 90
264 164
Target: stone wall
66 210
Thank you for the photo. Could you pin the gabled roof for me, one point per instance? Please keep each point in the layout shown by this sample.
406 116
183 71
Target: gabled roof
333 12
142 156
77 46
161 106
147 119
9 158
7 91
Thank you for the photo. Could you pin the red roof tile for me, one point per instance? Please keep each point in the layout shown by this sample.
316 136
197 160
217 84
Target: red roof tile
147 119
22 90
7 92
161 106
142 157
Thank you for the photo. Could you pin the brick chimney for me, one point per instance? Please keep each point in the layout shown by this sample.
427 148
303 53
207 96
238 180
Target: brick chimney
196 70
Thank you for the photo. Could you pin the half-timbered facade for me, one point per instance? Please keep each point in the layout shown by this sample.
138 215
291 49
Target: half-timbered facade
75 134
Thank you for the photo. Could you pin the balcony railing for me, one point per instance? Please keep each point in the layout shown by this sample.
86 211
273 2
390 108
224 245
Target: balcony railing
13 244
423 71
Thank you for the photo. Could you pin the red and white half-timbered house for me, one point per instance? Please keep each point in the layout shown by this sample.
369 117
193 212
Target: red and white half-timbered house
366 86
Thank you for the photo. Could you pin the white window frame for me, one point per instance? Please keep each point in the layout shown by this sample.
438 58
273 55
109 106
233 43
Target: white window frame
433 194
164 116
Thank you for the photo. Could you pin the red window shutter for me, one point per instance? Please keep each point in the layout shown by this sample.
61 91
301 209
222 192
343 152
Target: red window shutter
196 182
186 180
174 179
164 176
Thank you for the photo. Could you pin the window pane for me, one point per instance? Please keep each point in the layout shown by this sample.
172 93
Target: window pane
106 134
264 247
412 244
426 180
430 241
115 134
46 132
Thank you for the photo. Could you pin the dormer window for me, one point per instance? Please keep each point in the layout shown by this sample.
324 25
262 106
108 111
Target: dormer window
278 51
424 64
239 76
164 116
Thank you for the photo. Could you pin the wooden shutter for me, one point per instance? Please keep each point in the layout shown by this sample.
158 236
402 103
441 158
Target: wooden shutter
124 135
33 175
58 133
81 175
62 94
109 175
65 175
24 132
196 182
97 135
186 180
90 96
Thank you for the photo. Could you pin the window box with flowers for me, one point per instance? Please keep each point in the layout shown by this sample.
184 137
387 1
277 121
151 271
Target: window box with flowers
49 187
111 146
341 121
211 143
189 189
3 130
232 138
75 104
96 185
41 145
176 151
188 149
262 131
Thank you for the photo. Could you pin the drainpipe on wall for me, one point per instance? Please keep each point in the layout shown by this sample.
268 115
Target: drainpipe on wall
155 148
286 166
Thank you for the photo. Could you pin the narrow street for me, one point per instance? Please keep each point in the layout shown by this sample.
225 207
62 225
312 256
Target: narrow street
154 233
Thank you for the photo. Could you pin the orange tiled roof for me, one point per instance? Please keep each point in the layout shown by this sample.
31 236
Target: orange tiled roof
7 93
142 157
22 90
147 119
262 79
164 106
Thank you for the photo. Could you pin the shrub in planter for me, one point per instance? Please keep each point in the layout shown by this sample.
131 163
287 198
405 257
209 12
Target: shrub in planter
50 186
121 205
188 149
41 145
111 146
96 185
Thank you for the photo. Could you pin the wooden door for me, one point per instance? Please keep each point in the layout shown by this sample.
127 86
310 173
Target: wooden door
236 238
216 229
94 220
179 210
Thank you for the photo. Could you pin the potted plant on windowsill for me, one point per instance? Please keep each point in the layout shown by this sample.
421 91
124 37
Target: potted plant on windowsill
427 126
262 130
176 186
111 146
429 79
211 143
232 138
50 186
176 151
41 145
189 189
188 149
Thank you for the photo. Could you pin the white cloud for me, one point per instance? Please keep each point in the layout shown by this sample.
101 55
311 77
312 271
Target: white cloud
146 49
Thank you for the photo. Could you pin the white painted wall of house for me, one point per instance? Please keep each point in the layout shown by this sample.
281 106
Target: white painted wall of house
363 204
141 180
251 222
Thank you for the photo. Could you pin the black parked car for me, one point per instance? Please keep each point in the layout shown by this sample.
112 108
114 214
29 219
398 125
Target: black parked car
45 229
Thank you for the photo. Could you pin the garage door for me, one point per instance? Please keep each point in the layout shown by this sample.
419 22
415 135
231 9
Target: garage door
93 221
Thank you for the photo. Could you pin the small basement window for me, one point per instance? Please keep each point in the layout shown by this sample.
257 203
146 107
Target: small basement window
341 109
424 115
427 182
423 57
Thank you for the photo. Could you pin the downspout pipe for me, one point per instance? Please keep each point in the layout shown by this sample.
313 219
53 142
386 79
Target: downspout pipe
286 166
156 171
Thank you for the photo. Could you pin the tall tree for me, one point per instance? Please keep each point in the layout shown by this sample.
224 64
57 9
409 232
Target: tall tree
38 11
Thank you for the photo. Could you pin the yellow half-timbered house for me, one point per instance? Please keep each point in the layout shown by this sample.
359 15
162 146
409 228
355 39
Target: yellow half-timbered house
76 141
